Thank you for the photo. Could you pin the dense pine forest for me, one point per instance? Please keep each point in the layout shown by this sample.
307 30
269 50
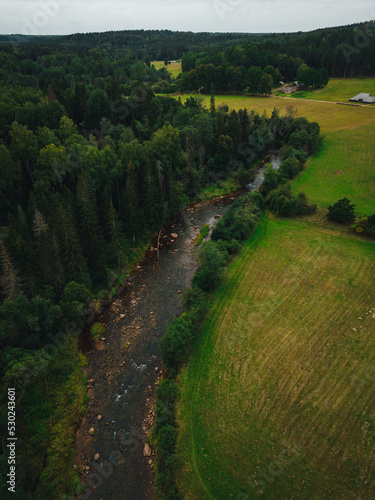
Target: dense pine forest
93 164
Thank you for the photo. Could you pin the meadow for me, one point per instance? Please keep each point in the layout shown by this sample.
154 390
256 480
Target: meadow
278 394
345 165
339 90
173 68
277 399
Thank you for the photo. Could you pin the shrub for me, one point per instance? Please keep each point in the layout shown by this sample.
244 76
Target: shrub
245 177
257 199
289 168
271 180
283 203
365 224
195 303
175 344
239 222
97 329
211 266
342 211
166 439
166 395
232 247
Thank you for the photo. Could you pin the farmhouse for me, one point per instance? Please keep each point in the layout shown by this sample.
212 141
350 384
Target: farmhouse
362 97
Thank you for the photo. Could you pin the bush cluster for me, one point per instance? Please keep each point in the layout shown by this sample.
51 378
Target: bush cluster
283 203
365 224
236 226
275 187
164 435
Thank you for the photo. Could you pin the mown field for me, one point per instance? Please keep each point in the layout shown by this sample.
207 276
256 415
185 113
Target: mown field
339 89
277 401
173 68
278 396
345 166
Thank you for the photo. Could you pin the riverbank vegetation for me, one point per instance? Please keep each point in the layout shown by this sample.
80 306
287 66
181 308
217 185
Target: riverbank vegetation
276 393
229 233
278 390
93 164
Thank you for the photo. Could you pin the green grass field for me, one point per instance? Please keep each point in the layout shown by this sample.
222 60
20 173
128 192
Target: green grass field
277 401
279 375
346 164
173 68
339 90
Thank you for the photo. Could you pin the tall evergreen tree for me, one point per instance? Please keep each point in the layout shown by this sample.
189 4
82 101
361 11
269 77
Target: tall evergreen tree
10 280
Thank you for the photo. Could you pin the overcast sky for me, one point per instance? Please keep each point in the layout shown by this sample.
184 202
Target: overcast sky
59 17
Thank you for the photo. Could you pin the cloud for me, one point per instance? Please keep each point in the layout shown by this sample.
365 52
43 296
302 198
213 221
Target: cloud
69 16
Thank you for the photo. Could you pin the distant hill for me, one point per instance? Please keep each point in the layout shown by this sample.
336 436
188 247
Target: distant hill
345 51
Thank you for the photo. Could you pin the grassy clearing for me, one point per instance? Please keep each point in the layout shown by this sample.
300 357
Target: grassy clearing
345 166
279 367
220 188
174 68
339 89
203 233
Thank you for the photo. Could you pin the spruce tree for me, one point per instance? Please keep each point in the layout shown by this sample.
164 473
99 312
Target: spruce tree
10 280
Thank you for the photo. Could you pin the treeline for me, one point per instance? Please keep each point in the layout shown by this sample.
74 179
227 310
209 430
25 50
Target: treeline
159 45
62 68
301 138
236 226
244 56
81 187
209 78
346 51
343 212
246 69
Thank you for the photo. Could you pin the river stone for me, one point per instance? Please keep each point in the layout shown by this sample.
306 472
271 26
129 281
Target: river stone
96 457
147 450
92 431
99 417
174 235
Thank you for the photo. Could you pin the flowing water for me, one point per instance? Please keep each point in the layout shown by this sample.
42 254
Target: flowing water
124 367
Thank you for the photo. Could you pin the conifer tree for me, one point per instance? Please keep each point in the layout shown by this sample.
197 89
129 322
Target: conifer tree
212 105
115 233
72 255
10 280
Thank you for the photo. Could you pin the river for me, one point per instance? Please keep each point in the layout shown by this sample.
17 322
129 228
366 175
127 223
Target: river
124 369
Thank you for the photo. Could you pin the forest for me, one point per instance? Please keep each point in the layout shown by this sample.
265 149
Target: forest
345 51
93 164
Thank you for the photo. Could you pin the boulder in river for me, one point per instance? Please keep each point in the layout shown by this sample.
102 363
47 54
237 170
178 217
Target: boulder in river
92 431
99 417
96 457
174 235
147 450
